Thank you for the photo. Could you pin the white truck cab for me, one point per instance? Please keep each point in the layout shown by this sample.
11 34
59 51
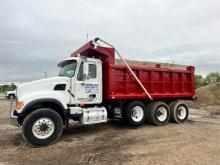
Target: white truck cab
85 79
44 103
79 82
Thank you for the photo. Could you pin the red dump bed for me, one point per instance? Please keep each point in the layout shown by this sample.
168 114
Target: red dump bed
118 83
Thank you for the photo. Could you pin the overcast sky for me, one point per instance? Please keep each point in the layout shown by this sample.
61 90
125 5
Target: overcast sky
36 35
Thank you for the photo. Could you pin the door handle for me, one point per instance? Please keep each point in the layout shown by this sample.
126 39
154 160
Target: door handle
92 96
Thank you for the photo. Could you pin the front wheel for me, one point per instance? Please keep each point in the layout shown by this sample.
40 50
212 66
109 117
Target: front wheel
42 127
11 96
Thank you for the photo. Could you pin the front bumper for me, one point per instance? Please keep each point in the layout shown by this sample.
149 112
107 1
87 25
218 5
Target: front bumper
14 118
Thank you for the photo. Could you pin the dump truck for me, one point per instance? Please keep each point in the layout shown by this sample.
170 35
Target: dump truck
91 88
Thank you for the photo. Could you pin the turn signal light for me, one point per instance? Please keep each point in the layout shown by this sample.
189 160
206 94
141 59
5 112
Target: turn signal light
19 105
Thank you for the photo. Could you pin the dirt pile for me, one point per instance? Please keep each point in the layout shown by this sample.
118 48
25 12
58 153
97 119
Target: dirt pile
207 96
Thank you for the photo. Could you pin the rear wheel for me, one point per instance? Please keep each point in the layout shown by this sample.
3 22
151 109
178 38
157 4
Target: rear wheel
135 113
158 113
178 112
42 127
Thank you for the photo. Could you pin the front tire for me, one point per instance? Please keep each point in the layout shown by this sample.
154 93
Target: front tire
11 96
42 127
135 113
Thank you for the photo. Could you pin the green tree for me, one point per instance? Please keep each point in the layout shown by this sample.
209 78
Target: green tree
212 77
13 86
199 81
4 88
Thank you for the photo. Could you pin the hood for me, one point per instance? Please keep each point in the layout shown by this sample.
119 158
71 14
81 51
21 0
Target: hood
14 91
46 84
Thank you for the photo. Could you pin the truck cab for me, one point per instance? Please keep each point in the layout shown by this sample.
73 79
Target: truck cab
79 82
85 79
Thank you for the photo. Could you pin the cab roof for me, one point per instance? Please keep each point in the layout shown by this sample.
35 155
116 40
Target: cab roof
91 50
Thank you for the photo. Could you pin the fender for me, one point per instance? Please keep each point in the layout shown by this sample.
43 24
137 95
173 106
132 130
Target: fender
44 100
63 112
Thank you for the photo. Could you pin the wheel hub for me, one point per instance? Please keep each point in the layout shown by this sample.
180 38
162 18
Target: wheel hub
43 128
137 113
181 112
159 113
162 114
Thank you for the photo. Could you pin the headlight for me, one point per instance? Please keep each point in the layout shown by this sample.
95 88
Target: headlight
19 105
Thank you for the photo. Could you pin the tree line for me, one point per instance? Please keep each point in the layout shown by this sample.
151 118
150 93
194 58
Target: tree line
4 88
212 77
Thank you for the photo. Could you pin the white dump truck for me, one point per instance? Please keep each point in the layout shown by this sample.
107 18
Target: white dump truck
91 89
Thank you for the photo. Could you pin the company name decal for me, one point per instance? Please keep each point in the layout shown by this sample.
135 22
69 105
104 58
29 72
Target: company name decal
91 88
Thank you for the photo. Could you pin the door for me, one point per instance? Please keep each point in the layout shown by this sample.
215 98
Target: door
88 83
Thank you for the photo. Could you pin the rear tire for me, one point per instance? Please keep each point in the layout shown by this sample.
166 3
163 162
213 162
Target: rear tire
135 113
178 112
158 113
42 127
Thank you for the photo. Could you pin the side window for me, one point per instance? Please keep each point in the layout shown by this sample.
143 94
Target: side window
92 70
80 73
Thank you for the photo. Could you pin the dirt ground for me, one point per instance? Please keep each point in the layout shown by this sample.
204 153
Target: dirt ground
195 142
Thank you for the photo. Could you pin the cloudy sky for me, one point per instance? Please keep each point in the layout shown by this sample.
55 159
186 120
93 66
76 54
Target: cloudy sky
36 35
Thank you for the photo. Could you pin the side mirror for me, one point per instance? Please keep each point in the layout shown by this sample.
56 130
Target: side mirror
86 68
86 71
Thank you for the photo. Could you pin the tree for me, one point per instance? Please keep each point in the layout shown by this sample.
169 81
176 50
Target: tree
212 77
13 86
199 81
4 88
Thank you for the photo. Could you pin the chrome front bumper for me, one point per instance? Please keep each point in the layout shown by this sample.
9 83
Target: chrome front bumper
13 118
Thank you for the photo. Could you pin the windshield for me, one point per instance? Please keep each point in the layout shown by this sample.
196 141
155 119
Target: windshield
68 68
